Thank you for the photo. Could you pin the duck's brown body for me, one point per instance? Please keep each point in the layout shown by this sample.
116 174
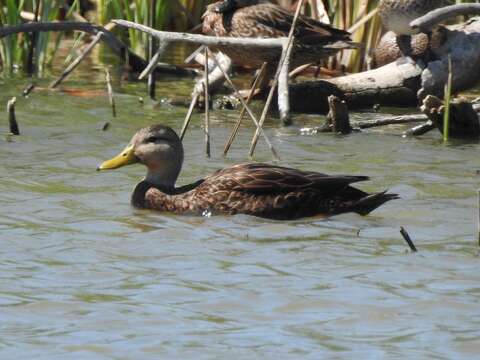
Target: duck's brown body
262 190
313 40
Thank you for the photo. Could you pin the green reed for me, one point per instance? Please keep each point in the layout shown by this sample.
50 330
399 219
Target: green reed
15 50
175 15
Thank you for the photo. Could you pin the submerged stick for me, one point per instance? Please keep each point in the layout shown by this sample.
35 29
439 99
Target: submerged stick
77 61
286 50
391 120
249 111
110 92
12 120
420 129
206 85
186 122
242 113
28 90
407 238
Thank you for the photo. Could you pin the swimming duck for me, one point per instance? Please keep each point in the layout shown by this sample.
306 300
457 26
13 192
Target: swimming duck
397 15
262 190
314 40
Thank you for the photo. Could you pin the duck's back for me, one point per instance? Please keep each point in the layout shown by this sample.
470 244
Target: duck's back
270 191
266 20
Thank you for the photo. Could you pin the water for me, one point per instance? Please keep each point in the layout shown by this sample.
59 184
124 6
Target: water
85 276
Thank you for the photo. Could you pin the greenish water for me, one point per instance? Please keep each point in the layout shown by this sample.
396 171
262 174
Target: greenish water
85 276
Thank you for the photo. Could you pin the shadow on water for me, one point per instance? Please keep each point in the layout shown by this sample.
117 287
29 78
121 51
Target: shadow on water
85 274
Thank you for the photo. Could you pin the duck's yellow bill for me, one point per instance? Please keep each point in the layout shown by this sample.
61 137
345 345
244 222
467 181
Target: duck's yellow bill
126 157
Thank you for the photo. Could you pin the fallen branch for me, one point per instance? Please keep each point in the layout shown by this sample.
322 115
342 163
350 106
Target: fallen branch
118 47
390 120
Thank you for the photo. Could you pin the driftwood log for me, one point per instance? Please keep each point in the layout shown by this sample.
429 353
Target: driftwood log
464 122
402 82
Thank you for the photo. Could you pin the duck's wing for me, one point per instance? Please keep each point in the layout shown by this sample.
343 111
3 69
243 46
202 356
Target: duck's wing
308 30
269 179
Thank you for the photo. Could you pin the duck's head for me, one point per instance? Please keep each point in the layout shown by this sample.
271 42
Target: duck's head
231 5
159 148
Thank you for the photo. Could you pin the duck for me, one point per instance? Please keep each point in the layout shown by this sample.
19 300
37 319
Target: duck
314 40
258 189
396 16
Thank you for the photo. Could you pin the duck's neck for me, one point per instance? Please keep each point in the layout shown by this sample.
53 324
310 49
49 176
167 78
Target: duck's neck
161 179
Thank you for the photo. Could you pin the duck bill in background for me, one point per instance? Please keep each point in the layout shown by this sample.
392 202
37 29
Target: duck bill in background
225 6
126 157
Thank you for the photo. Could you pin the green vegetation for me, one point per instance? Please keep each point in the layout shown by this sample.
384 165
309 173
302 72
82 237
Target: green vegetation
177 15
16 50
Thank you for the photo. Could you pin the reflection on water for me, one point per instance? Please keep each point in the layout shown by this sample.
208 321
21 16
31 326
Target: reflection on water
86 276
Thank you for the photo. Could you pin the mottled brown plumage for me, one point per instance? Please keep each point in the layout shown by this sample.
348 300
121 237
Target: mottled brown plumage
314 40
397 15
262 190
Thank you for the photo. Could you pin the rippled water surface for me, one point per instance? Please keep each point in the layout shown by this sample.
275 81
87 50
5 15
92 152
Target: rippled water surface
85 276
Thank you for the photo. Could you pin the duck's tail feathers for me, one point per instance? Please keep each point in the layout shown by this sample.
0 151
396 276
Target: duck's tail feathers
369 203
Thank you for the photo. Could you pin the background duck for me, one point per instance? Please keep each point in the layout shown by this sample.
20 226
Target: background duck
262 19
397 15
262 190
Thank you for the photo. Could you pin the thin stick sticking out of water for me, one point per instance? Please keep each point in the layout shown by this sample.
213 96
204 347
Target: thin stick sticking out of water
206 85
77 61
242 113
110 92
12 120
408 239
247 108
151 22
193 103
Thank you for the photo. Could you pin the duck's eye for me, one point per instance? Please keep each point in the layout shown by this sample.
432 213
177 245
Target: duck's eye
151 139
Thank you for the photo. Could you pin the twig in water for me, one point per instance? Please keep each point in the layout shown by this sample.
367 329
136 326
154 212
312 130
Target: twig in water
420 129
407 238
242 113
207 100
247 108
28 90
286 50
110 92
193 103
12 120
77 61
